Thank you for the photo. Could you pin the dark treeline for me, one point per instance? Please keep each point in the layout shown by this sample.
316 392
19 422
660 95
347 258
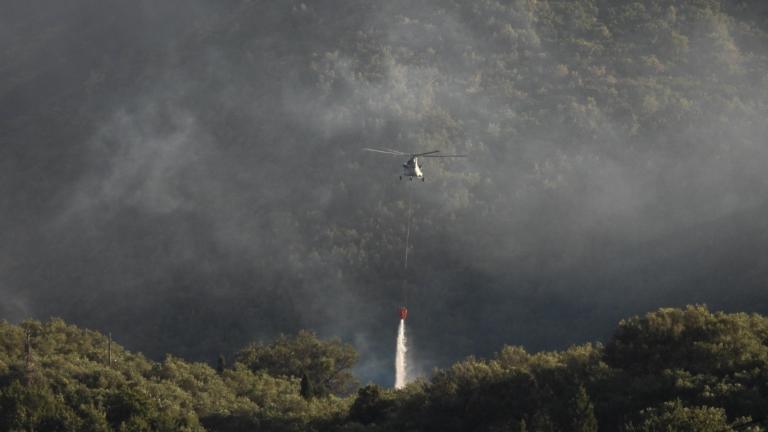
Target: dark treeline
670 370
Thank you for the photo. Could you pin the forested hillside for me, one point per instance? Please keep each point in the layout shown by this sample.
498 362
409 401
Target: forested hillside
670 370
188 175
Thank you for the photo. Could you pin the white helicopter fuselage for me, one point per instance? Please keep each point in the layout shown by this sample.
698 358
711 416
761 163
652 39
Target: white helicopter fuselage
411 168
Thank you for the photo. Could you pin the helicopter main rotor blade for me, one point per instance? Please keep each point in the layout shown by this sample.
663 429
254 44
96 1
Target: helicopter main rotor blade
425 154
437 156
389 152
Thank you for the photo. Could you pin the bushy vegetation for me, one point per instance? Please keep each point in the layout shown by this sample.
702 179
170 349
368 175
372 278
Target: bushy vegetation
670 370
67 384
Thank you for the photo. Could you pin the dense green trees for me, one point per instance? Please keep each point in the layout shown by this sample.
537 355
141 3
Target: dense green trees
671 370
652 375
694 355
674 416
326 365
70 387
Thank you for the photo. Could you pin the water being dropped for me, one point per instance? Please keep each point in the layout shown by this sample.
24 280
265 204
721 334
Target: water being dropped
400 365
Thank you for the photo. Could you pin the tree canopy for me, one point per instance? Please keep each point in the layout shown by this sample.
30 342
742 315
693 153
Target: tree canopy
673 370
325 364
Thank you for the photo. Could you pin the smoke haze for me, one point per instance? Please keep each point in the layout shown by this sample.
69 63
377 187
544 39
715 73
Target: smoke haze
189 176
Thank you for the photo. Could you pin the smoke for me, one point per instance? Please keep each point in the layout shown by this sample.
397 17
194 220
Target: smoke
189 177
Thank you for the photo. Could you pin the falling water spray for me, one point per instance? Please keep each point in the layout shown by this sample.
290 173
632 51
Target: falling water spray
401 376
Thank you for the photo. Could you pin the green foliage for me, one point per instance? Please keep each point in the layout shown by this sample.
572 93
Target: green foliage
326 364
674 416
695 355
711 366
70 387
692 339
221 364
34 407
306 387
588 388
371 405
582 412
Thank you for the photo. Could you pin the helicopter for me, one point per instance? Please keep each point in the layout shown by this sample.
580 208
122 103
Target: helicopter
411 167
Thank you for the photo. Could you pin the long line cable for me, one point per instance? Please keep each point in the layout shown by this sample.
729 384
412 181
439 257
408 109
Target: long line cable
407 244
408 228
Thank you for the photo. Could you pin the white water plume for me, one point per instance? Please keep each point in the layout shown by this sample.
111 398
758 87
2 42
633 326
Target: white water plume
400 364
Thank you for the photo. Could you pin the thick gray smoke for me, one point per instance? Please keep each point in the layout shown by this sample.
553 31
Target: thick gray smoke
189 176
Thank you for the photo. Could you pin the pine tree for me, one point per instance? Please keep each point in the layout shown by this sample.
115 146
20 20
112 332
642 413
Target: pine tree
306 387
221 364
521 426
582 412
